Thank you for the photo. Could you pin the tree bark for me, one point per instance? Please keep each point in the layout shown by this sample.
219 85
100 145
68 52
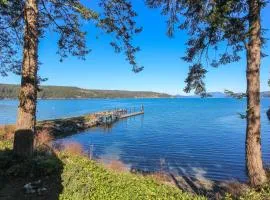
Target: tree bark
26 119
254 161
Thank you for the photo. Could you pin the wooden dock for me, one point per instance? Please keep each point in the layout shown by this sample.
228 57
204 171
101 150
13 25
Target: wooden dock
131 114
117 114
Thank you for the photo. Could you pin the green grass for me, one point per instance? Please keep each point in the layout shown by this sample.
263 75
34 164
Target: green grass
5 145
85 179
82 178
260 194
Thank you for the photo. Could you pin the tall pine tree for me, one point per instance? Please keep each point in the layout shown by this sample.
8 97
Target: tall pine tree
24 22
213 24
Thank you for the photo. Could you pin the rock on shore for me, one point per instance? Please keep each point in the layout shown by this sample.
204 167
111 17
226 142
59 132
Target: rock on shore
60 127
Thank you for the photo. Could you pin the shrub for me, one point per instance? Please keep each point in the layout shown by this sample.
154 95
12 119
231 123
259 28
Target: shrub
42 137
42 164
73 148
7 132
162 177
117 166
262 193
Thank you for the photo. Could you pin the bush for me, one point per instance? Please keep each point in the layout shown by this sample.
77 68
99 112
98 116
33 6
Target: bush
73 148
253 194
40 165
7 132
42 137
116 165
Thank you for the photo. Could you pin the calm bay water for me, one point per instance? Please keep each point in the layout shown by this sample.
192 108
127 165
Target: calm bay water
194 137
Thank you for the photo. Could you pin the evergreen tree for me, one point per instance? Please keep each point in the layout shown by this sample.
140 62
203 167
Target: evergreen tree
24 22
235 24
3 2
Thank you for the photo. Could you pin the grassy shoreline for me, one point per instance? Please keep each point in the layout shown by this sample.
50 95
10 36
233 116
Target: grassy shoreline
75 176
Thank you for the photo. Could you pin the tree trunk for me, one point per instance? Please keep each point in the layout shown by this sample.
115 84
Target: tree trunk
26 119
254 162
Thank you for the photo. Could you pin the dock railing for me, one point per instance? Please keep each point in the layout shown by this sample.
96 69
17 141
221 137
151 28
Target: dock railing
117 114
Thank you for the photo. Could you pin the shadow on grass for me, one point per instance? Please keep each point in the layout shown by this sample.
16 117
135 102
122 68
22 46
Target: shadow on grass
195 183
42 172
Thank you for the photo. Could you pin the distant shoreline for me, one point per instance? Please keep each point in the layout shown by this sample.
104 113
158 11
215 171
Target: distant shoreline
11 92
98 98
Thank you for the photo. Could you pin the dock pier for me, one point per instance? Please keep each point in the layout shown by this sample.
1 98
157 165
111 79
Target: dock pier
118 114
131 114
71 125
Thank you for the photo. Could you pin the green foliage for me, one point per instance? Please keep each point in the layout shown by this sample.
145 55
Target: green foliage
235 95
85 179
211 26
194 80
12 91
67 18
3 2
5 145
40 165
259 194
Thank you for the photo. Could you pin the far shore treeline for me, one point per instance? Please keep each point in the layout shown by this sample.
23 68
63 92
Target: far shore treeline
10 91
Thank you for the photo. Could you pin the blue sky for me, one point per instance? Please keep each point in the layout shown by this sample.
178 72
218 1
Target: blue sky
164 70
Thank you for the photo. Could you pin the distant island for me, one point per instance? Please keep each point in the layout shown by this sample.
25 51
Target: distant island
219 95
10 91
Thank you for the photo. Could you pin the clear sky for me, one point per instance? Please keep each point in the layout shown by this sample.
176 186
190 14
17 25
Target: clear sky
164 70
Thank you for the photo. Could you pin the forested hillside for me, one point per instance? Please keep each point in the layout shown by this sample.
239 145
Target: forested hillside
50 92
